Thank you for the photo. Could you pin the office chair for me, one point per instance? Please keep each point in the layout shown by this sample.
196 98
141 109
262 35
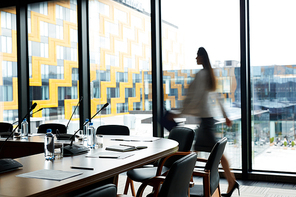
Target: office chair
5 127
53 126
184 136
210 172
108 190
176 182
113 130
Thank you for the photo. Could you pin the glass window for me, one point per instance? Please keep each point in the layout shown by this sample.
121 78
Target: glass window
119 46
53 70
59 12
6 19
213 25
8 66
273 64
59 32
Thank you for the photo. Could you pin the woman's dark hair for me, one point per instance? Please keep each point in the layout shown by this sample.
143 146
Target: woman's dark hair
207 65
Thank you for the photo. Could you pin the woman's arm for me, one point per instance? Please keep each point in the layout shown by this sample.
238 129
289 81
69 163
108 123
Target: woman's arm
228 121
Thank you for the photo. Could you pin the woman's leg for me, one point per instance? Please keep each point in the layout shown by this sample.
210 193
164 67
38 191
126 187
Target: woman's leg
228 174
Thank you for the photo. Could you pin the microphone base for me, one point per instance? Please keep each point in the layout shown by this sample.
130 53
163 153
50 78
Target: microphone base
75 150
7 165
64 136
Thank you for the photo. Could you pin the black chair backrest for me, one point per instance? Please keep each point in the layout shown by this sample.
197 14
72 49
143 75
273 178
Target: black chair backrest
113 130
213 163
108 190
53 126
177 180
6 127
184 136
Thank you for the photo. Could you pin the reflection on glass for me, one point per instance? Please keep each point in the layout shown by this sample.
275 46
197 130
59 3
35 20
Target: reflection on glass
8 66
120 60
273 84
52 32
213 25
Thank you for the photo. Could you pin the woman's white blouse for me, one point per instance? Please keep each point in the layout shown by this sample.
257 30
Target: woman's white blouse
199 100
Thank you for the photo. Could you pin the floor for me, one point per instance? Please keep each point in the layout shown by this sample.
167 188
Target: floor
247 188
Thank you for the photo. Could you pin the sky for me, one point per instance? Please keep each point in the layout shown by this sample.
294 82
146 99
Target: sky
214 24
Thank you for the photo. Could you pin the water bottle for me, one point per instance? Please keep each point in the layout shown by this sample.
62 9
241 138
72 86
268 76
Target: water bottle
49 145
91 136
24 129
85 127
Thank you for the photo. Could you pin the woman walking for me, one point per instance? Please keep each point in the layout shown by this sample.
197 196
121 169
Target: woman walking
201 93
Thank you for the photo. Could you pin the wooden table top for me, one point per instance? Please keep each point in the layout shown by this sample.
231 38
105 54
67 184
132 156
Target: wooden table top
104 168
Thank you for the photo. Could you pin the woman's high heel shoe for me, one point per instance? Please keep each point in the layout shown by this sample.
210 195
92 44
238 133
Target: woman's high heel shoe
236 186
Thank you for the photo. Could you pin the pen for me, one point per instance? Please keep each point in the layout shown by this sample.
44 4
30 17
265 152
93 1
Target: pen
141 140
83 168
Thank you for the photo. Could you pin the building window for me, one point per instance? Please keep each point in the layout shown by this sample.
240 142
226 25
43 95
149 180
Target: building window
6 20
43 8
6 44
44 50
43 28
59 32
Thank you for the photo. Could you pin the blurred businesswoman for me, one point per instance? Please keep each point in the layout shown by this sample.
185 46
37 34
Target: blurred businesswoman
200 95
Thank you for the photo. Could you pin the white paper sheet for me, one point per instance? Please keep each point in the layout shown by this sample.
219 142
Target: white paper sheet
54 175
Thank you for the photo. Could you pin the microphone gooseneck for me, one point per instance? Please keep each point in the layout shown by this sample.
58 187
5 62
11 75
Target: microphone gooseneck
74 112
72 137
106 105
37 111
30 114
26 116
31 108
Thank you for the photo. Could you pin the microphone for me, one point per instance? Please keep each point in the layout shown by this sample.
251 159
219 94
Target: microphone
10 164
106 105
36 111
32 107
74 112
76 149
30 114
65 136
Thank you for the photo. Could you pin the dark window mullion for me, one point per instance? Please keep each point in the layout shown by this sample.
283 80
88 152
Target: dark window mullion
157 80
83 60
245 90
22 62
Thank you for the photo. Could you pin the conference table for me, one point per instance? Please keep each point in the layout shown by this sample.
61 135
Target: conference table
102 168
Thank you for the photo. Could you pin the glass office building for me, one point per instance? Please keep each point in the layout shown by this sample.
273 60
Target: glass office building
121 69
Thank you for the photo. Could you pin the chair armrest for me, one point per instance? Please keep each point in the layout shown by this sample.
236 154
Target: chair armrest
201 159
155 181
201 173
160 166
206 179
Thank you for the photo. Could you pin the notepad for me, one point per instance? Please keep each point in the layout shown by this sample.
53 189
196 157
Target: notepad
121 148
54 175
124 148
